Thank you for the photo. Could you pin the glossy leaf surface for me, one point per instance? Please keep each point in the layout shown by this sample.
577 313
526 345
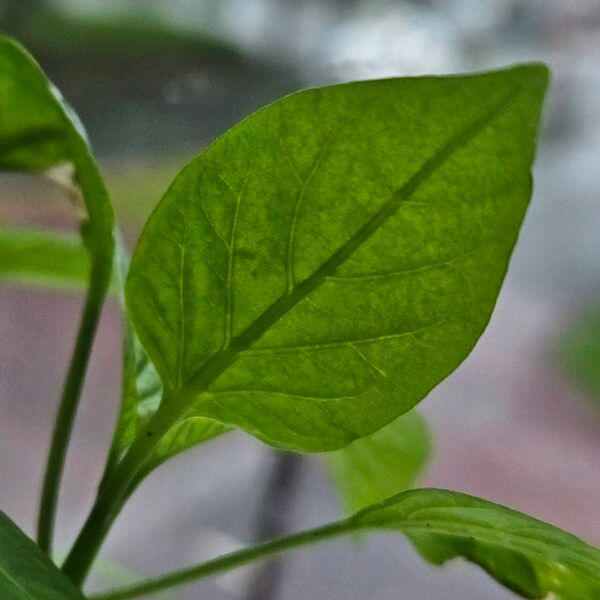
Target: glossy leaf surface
382 464
530 557
327 262
26 573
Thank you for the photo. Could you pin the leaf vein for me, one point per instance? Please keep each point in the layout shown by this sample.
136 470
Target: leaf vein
338 343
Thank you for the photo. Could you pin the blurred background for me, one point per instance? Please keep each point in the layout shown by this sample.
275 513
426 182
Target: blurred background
518 423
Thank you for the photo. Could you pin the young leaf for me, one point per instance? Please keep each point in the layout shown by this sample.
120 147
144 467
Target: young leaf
26 573
384 463
528 556
327 262
141 398
532 558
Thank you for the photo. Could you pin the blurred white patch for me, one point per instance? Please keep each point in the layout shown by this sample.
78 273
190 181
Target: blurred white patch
63 175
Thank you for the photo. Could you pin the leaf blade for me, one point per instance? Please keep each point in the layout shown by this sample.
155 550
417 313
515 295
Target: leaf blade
524 554
233 243
41 132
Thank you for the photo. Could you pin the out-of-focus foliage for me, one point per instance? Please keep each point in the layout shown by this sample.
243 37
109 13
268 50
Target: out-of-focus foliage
382 464
580 352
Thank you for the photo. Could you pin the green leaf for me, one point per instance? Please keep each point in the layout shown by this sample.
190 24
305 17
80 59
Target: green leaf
40 132
384 463
43 258
26 573
530 557
324 264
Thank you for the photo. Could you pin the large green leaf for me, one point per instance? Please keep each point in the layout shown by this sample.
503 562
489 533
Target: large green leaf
26 573
40 132
530 557
323 265
384 463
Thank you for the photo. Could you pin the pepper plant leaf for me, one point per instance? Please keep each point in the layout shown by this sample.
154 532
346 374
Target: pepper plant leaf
39 132
26 573
323 265
384 463
530 557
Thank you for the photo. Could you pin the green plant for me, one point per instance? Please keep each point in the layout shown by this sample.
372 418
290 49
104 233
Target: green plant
309 278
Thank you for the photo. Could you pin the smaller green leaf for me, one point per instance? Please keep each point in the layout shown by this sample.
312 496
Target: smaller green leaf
530 557
43 258
39 131
26 573
141 391
374 468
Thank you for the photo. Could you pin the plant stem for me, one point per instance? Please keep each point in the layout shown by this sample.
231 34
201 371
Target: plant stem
66 415
115 491
97 235
229 561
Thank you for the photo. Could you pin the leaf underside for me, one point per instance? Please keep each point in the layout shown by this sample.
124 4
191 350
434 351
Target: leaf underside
530 557
324 264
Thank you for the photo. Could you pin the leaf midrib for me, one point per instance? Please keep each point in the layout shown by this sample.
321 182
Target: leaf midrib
221 360
16 584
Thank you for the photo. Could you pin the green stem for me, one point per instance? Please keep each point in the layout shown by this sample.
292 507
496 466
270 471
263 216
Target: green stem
229 561
66 415
99 240
114 493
